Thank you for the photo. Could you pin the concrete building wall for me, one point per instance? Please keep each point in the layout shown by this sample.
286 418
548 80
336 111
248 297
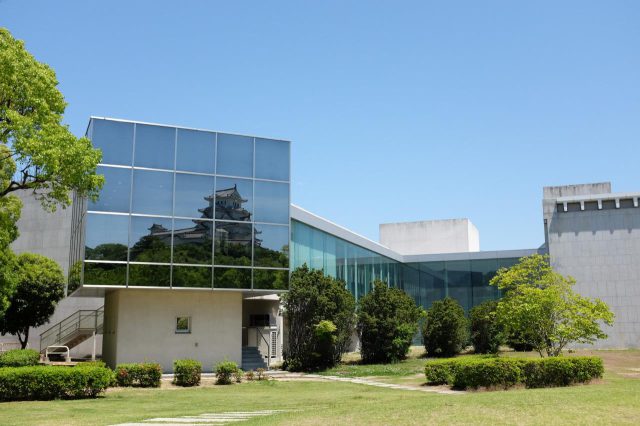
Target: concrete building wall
144 328
430 236
49 234
601 250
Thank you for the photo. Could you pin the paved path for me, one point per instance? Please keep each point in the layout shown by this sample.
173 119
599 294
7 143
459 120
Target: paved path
217 419
284 375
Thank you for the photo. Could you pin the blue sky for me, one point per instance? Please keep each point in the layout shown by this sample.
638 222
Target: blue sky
398 110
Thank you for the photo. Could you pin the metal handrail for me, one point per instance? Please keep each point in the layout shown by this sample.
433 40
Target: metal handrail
72 324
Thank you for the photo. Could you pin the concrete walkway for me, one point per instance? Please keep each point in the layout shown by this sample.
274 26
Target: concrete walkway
287 376
217 419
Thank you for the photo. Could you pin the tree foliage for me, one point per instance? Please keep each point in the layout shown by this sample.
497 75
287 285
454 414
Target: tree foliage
40 287
541 309
387 321
446 329
486 332
320 313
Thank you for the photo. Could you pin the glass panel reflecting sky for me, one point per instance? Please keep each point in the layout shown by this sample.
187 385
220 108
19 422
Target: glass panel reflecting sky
115 140
233 243
235 155
271 202
155 147
232 278
234 199
194 195
106 237
152 192
192 241
271 246
272 159
114 196
196 151
150 239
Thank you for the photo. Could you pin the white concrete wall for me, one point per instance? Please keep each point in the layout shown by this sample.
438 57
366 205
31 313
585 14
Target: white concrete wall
144 328
431 236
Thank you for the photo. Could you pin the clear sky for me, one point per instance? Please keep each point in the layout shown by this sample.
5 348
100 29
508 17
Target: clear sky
398 110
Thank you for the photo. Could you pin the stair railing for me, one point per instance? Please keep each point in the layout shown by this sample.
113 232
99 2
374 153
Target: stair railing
89 320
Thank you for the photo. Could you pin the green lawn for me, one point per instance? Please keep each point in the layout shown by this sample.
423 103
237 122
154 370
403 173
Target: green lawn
614 400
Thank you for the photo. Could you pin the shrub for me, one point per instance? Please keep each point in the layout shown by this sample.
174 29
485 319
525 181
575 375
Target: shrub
387 321
558 371
19 358
250 375
224 371
48 382
260 374
238 375
496 372
144 375
187 372
445 331
486 332
311 299
473 373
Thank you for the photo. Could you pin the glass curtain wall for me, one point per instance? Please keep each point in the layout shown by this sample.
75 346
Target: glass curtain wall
467 281
185 208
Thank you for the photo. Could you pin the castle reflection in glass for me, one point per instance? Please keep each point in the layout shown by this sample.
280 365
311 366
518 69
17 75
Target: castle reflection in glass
186 208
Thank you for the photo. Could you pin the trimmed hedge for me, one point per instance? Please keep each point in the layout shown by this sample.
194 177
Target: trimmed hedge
52 382
19 358
225 371
144 375
187 372
507 372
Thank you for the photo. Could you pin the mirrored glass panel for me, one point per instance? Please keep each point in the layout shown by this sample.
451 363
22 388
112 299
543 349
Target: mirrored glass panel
271 202
269 279
196 151
149 275
232 278
152 192
114 139
233 243
150 239
194 196
272 159
191 276
105 273
155 147
271 247
106 237
235 155
234 199
192 241
114 196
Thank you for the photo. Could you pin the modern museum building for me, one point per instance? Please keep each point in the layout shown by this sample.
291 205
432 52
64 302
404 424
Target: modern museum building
193 238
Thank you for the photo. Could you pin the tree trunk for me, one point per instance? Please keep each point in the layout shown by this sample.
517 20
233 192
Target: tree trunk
23 342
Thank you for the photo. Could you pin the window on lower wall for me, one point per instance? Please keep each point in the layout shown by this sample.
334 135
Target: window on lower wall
183 325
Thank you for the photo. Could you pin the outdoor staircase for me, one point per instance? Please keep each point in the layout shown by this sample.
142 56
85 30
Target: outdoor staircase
252 359
73 330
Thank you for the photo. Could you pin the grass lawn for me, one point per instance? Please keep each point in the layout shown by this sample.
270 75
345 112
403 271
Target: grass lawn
614 400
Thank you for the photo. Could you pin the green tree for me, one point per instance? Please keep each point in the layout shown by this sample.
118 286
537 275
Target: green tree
541 309
37 152
314 305
387 321
446 329
40 287
486 332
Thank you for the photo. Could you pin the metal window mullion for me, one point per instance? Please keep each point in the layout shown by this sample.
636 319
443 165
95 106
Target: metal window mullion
253 213
173 205
213 215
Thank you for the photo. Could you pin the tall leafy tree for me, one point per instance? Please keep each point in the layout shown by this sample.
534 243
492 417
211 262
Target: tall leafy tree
541 309
321 317
387 321
40 287
37 151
